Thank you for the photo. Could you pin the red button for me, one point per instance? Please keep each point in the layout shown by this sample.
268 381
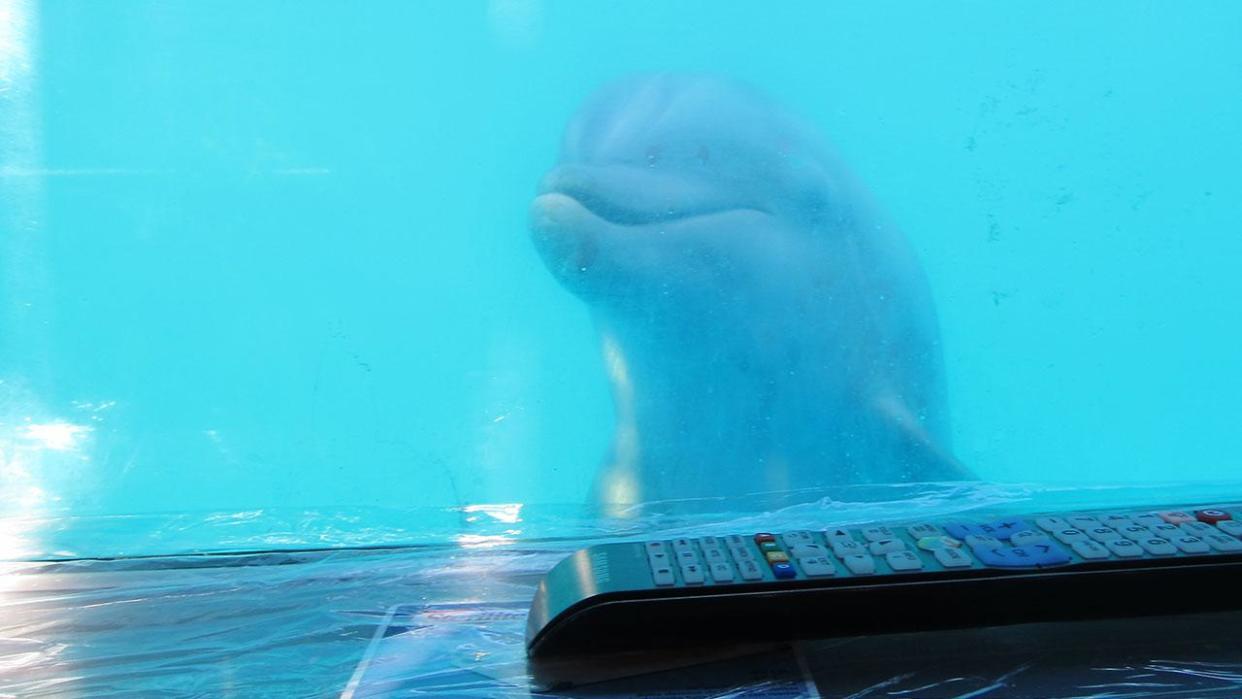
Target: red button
765 537
1212 516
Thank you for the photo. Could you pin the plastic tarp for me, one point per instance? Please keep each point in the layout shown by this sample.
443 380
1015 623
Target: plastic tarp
433 603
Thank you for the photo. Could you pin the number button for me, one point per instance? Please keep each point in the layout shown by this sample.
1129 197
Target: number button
1231 527
1052 524
1103 534
1223 542
1090 550
1124 548
952 558
1191 544
1158 547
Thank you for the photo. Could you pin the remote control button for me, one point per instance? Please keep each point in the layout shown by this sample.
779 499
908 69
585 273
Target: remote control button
1116 521
1147 519
760 538
1191 544
1071 536
918 531
1223 542
656 547
1103 534
1083 521
1090 550
1029 537
1124 548
750 570
722 572
807 551
1212 516
975 541
1231 527
692 574
713 556
663 576
903 560
795 538
1023 556
860 563
1165 530
878 533
952 558
841 549
1135 532
776 556
886 546
1196 528
769 546
961 530
817 567
1006 528
742 554
658 560
835 535
1176 517
1158 547
680 545
735 541
687 558
935 543
1052 524
784 571
710 542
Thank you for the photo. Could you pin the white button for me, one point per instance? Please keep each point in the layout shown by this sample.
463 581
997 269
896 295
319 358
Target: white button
1090 550
1103 534
1196 528
663 576
1029 538
750 570
1146 520
878 533
794 538
687 558
1124 547
656 547
734 541
974 540
1069 536
817 566
807 550
658 560
880 546
903 560
1176 517
1165 531
1052 524
710 542
859 563
1158 547
692 574
1135 532
713 556
1116 521
952 558
842 549
1223 542
1083 522
722 572
918 531
1192 544
835 535
1231 526
741 553
680 545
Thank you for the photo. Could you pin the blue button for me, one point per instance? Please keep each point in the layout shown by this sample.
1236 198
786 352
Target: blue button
783 571
1001 528
1032 556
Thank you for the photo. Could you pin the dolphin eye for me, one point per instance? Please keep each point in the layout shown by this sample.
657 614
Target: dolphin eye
653 155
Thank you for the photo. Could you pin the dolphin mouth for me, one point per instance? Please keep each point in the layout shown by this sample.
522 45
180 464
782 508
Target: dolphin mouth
630 199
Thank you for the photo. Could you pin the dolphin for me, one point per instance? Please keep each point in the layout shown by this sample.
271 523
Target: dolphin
763 326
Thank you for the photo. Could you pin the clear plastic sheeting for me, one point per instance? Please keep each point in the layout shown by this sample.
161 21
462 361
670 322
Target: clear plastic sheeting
299 608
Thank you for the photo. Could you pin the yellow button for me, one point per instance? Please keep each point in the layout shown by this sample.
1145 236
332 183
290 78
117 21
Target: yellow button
777 557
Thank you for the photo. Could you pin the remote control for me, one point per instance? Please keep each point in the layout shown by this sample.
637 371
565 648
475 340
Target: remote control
858 580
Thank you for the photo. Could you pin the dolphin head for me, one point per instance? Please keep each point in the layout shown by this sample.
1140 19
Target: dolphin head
666 177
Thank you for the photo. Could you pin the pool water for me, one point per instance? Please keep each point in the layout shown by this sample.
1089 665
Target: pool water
276 255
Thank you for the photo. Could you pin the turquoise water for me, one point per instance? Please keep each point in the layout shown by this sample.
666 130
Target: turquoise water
276 254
